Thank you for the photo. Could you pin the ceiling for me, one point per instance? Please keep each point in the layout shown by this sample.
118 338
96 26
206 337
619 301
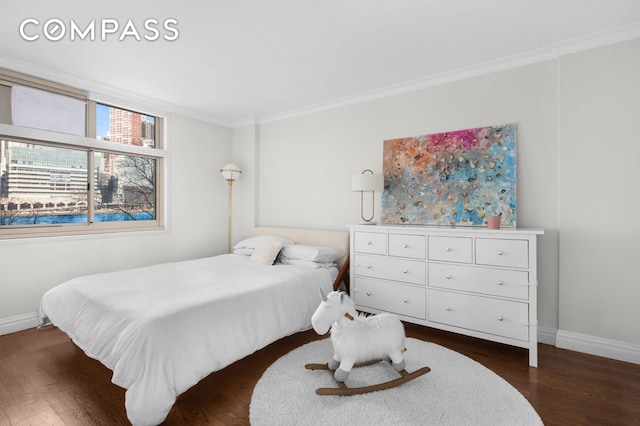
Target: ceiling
235 60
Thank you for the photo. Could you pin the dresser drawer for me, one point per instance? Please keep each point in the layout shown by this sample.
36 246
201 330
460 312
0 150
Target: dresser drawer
496 282
390 297
370 242
498 252
411 246
498 317
409 271
451 249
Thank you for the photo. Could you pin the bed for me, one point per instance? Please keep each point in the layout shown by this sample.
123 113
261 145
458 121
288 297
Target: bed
163 328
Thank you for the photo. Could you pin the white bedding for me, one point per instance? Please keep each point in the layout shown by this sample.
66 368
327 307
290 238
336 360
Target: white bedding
163 328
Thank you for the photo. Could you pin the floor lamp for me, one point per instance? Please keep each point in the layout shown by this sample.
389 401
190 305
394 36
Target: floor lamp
230 172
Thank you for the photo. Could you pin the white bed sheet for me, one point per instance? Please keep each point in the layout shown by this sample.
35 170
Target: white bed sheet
163 328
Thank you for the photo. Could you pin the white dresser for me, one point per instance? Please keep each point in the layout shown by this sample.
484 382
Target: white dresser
475 281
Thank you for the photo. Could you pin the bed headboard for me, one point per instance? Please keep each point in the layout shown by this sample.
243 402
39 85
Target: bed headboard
312 237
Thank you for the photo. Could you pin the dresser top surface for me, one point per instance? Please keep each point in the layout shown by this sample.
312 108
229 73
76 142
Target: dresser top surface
437 229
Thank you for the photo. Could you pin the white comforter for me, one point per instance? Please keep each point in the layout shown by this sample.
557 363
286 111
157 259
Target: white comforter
163 328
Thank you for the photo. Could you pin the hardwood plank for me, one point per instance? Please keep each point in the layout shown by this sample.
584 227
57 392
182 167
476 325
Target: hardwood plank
46 380
22 399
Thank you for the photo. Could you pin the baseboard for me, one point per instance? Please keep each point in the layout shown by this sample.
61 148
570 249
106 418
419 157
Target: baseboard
599 346
18 323
547 335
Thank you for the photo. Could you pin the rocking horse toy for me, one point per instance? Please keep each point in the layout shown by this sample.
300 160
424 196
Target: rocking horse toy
359 341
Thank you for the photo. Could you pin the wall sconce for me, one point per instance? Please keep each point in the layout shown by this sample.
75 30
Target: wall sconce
230 172
367 181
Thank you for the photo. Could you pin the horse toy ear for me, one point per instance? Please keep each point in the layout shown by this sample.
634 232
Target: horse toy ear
322 295
342 296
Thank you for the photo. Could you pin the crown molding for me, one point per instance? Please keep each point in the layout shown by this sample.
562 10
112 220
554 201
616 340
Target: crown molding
550 52
106 93
599 39
249 121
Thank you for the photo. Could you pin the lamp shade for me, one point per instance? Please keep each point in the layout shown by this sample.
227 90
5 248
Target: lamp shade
367 182
230 171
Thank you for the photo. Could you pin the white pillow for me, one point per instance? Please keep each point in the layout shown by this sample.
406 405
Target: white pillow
312 253
266 252
244 251
252 242
287 261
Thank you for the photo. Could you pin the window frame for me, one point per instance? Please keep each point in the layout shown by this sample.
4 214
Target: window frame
89 144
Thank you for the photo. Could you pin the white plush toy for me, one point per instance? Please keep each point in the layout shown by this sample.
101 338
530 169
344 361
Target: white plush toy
357 338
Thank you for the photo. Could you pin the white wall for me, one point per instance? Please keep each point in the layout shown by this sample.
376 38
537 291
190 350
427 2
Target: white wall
305 163
198 192
599 195
577 152
197 227
244 154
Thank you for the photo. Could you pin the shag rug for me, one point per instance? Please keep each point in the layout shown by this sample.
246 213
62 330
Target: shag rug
457 391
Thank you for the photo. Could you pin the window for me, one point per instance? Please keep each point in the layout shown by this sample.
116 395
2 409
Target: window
125 187
70 165
42 185
45 110
125 127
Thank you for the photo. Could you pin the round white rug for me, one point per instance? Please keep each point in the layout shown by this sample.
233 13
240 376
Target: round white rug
457 391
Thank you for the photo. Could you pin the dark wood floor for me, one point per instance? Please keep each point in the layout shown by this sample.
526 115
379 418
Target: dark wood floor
46 380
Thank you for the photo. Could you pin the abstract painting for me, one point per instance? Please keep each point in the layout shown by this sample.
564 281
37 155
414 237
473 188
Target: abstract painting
451 178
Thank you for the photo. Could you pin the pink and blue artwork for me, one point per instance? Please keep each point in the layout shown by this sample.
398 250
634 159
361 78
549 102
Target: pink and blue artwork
451 178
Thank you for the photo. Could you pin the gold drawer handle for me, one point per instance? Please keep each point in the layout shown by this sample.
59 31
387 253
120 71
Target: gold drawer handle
405 246
448 276
500 283
500 318
405 271
499 252
448 308
406 300
369 243
368 293
368 266
447 249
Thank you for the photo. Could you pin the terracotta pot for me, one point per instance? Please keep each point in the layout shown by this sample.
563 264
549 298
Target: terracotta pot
493 222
